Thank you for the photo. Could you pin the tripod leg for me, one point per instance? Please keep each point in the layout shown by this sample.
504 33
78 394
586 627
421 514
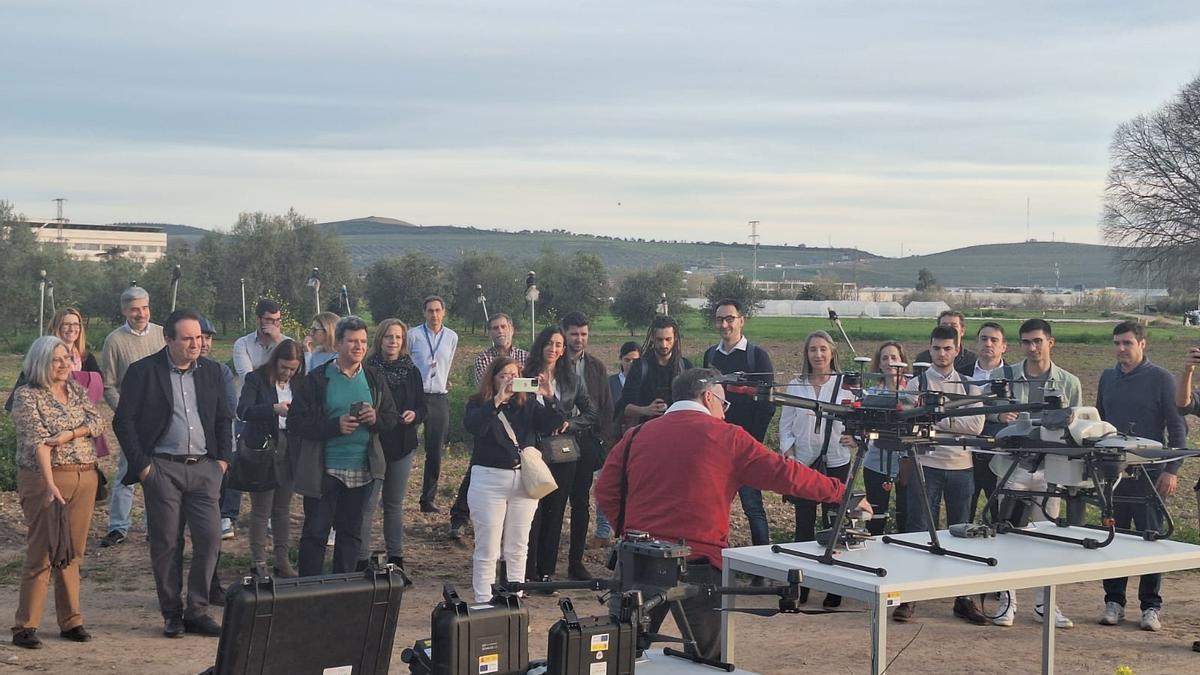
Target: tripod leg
930 517
840 522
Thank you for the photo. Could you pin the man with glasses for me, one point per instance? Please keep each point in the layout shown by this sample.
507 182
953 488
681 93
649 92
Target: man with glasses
734 353
642 488
252 350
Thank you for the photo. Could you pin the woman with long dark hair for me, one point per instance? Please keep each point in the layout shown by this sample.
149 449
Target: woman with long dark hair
881 468
263 405
818 443
390 356
502 422
559 385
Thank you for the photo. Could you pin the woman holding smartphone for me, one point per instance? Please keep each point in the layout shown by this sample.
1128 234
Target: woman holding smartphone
559 386
502 422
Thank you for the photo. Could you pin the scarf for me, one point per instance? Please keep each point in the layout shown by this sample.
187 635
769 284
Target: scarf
395 372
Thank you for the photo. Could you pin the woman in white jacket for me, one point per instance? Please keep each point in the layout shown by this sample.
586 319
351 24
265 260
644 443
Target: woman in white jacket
818 443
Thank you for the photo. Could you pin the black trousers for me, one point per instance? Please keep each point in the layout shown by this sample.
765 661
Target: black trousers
1143 518
580 498
985 483
340 508
545 533
437 427
460 513
703 614
880 498
806 510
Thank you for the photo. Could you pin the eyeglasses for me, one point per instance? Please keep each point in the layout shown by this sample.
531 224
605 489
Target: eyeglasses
315 329
268 321
724 404
727 319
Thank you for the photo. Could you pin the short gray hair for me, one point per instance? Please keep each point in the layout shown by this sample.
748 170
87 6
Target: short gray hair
133 293
691 384
40 360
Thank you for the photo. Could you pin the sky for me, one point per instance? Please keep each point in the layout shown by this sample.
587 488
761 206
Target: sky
891 126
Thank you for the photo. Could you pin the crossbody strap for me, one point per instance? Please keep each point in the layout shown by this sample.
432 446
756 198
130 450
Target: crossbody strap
837 386
625 481
508 429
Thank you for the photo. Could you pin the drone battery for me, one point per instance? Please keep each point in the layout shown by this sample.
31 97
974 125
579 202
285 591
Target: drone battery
324 624
591 646
489 638
1066 471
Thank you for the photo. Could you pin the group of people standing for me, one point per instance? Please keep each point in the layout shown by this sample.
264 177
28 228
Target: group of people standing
339 414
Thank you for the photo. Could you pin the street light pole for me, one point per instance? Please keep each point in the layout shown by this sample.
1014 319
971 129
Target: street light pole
243 282
42 303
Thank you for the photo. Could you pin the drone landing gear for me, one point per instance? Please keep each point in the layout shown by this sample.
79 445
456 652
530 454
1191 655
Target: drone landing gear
837 534
934 546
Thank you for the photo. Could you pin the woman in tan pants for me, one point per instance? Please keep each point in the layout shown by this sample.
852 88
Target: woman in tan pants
56 459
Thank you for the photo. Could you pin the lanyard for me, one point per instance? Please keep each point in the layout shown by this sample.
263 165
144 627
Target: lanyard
433 349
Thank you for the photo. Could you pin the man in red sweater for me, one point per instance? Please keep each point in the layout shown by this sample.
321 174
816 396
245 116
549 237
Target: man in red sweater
684 470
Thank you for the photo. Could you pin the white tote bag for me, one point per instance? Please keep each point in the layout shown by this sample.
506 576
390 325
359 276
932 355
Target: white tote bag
535 475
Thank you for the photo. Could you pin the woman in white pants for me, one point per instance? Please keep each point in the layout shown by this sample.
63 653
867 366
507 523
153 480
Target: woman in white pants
502 422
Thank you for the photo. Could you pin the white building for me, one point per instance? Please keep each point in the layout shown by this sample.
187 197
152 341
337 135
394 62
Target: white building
94 242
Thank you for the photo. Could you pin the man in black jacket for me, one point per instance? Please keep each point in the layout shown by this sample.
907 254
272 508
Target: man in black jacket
337 412
647 391
174 426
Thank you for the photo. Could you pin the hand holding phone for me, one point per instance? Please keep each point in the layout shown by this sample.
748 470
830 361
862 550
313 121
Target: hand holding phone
526 385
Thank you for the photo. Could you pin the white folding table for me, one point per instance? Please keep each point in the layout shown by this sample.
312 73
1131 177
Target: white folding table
912 575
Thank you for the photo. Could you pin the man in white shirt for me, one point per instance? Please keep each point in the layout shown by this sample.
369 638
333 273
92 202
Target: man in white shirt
432 346
252 350
948 470
989 364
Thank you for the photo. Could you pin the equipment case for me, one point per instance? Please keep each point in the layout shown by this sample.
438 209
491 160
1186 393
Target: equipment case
334 624
590 646
489 638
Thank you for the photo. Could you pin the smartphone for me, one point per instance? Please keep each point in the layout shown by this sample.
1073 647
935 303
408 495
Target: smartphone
356 408
525 384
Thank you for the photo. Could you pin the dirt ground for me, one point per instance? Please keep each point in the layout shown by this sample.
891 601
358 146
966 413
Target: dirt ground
120 608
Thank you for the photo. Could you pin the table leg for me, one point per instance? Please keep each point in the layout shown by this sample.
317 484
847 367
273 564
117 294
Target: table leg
1048 630
879 616
728 602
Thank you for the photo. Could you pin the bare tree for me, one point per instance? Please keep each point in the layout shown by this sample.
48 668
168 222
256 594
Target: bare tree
1152 200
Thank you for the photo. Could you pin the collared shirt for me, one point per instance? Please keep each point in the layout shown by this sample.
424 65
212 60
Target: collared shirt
434 354
687 405
249 353
142 333
982 373
485 358
799 430
949 457
740 344
185 433
580 366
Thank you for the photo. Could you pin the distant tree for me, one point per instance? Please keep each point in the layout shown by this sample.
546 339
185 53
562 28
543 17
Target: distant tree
577 282
503 285
395 286
732 286
821 288
926 281
1152 200
640 293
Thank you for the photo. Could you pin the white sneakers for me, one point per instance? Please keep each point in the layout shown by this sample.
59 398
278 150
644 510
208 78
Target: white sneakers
1008 610
1114 613
227 528
1060 621
1150 620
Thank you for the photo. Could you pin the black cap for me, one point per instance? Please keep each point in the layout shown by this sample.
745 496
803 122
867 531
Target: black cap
206 326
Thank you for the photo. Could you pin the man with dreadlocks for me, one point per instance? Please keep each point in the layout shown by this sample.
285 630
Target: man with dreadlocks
647 391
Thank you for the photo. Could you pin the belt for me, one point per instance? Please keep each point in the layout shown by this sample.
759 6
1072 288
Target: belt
79 468
181 459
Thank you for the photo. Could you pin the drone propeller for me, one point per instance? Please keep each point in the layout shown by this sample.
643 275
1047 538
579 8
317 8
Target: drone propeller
1165 455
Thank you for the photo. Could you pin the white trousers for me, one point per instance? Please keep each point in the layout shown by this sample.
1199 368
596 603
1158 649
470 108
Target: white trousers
501 514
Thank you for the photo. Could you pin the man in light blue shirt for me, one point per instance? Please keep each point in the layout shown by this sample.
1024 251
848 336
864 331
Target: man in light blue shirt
432 346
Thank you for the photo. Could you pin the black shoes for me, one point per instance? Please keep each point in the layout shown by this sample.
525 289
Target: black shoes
904 612
803 594
966 609
216 594
430 508
27 638
77 634
577 572
113 538
173 628
204 625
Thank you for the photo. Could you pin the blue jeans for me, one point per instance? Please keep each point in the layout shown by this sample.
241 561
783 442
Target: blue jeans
1143 518
120 503
752 505
956 485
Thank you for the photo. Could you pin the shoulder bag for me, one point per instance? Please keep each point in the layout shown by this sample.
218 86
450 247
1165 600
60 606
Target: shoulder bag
536 478
253 469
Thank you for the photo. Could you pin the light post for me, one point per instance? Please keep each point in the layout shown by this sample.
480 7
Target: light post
531 294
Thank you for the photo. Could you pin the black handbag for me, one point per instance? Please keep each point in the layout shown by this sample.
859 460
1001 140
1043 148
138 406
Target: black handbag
559 449
253 469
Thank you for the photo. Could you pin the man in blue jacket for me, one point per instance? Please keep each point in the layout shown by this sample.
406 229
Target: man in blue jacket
1138 397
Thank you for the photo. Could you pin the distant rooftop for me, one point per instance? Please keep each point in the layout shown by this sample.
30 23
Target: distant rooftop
93 228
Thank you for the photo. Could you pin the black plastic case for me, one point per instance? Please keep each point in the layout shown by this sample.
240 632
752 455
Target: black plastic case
479 639
334 624
590 646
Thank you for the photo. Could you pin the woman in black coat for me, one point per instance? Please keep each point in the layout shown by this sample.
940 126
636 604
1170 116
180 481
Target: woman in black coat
263 406
555 374
390 357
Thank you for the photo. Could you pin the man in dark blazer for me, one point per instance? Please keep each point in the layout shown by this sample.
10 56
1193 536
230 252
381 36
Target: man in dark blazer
175 429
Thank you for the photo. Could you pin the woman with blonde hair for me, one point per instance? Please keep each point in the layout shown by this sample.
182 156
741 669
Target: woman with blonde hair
818 443
67 325
57 481
390 356
319 342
